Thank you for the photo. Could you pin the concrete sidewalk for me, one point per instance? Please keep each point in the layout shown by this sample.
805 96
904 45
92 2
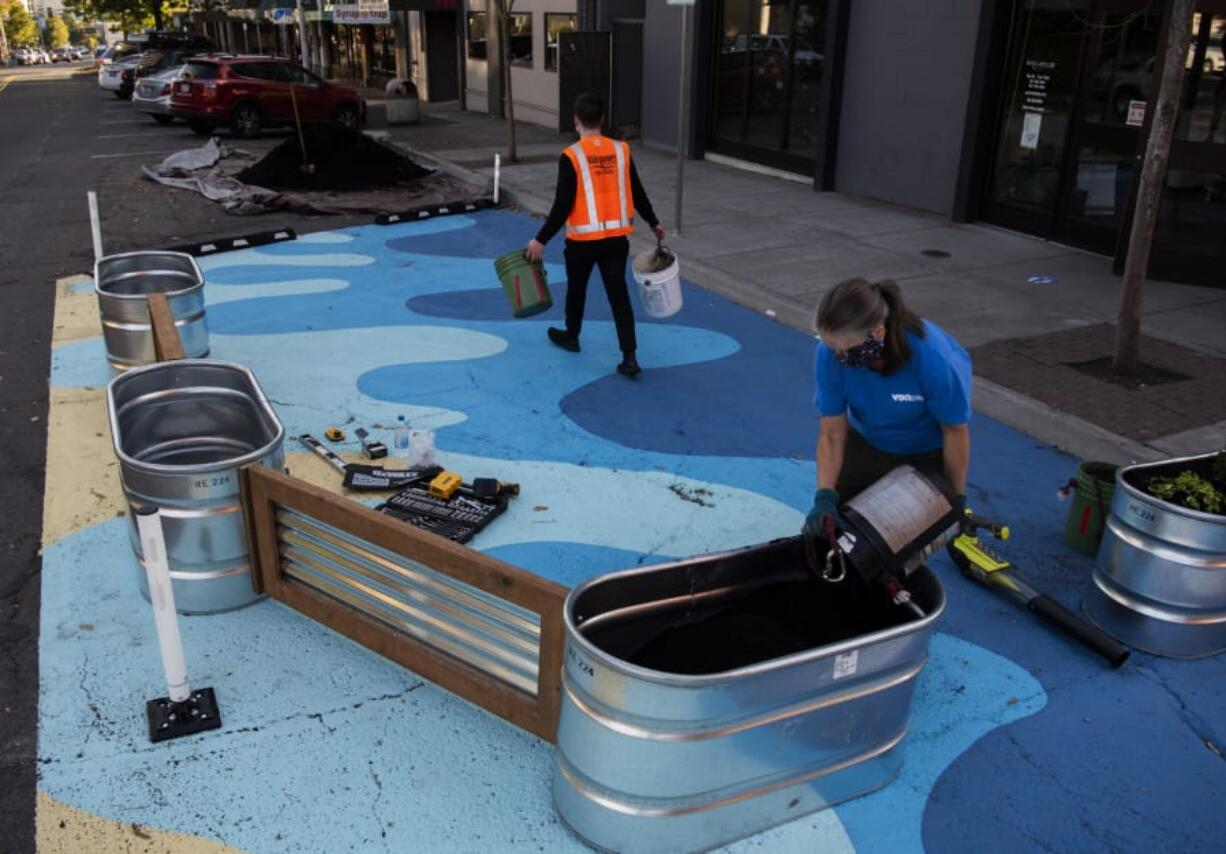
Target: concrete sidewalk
776 245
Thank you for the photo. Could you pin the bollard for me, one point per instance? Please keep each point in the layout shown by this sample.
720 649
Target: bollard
183 711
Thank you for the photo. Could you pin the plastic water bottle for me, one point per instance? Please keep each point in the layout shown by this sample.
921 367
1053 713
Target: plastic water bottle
400 438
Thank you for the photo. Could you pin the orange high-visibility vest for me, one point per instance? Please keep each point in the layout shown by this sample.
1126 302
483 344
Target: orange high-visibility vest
604 204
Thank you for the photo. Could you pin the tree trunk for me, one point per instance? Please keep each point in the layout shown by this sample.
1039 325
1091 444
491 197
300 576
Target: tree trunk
504 35
1153 176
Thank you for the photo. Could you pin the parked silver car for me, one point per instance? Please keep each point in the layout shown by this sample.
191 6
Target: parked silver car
152 94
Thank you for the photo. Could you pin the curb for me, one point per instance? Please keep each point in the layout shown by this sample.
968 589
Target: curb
1036 419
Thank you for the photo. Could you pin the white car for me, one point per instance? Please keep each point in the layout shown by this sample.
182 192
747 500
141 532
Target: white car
110 76
152 94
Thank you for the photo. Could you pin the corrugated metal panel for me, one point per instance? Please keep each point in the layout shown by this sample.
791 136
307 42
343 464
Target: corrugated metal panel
488 633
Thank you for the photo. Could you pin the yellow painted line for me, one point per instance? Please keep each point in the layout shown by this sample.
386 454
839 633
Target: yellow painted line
4 83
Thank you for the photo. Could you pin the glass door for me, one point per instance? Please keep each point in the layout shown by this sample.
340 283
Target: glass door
768 73
1190 241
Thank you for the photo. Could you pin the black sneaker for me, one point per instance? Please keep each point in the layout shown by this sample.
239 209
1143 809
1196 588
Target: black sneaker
562 338
629 367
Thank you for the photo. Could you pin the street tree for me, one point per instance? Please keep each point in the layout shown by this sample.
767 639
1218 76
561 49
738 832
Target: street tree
57 32
19 26
129 15
502 12
1149 194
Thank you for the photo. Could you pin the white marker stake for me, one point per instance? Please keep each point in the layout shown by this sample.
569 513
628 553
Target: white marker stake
497 175
95 223
162 595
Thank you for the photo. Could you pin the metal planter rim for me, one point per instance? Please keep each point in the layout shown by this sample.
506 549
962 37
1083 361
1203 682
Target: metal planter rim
196 283
221 465
1167 506
681 680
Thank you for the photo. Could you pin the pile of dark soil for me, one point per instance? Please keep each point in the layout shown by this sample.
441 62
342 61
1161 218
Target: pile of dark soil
344 160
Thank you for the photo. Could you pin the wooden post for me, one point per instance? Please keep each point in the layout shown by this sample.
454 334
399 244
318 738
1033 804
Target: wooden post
1149 194
167 344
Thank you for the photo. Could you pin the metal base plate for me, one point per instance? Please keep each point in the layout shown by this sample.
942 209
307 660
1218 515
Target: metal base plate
169 720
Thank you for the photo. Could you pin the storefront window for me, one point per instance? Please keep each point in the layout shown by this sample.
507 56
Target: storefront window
1202 116
555 25
520 27
476 35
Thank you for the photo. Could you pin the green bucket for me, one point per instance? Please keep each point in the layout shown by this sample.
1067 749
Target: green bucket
1092 490
524 284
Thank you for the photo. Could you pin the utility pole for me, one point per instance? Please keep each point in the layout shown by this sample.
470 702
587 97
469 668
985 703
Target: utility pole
1149 194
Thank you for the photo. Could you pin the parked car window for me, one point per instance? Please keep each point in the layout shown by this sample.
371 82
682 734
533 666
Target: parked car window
256 70
202 70
555 25
476 35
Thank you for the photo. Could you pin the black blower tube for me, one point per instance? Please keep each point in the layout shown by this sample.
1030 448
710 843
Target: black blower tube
1078 629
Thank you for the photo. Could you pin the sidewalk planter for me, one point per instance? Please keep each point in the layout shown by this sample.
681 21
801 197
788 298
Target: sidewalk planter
403 105
122 283
712 698
182 430
1160 580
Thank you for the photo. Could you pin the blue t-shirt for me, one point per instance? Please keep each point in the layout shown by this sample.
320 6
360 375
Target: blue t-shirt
901 413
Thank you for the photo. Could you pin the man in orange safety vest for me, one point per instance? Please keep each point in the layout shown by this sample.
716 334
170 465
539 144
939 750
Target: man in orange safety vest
597 196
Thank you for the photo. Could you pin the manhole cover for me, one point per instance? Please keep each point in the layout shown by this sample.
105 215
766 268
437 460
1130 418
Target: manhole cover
934 253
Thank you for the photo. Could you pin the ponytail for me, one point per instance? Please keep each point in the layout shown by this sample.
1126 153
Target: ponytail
899 320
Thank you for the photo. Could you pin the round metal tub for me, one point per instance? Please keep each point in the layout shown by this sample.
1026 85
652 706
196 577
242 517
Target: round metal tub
1159 584
181 431
122 283
712 698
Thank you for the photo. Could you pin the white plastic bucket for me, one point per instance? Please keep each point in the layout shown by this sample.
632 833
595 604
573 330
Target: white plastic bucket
660 291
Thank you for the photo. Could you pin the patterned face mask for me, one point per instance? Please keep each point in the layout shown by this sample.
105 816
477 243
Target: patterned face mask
862 354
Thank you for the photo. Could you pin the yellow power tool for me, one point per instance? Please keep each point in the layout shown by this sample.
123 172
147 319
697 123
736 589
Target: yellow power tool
979 563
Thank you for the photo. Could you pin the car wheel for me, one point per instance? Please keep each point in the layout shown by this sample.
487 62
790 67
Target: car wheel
347 116
245 121
202 128
163 120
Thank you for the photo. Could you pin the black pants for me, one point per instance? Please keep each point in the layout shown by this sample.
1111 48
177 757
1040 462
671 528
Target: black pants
610 255
864 465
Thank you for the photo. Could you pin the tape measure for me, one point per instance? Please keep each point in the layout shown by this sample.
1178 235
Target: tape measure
334 434
444 485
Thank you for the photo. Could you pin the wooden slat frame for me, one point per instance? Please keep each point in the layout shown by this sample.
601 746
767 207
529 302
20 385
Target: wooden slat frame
167 344
265 490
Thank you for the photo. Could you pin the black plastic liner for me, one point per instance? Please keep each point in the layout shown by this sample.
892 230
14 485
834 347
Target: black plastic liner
780 611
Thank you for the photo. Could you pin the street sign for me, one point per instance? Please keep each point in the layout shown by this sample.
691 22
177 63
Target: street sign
281 16
1136 114
358 15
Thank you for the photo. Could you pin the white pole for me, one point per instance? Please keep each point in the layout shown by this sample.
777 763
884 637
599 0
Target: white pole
497 175
95 224
162 595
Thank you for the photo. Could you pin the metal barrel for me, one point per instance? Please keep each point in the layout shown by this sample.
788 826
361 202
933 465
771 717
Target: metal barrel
122 283
654 761
182 430
1159 582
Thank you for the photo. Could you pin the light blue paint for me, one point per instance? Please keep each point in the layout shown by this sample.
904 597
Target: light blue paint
326 746
340 738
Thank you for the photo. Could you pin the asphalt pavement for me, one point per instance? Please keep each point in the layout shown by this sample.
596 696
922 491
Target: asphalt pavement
62 136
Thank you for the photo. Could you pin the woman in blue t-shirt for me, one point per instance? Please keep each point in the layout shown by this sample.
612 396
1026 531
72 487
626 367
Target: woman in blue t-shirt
892 388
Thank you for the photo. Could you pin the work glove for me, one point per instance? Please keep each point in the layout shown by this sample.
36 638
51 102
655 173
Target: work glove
960 509
825 506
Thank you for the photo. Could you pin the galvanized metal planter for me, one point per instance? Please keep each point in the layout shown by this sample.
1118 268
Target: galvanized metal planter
1160 580
122 283
182 430
655 761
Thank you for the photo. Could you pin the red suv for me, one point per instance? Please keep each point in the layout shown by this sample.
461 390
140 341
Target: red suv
248 93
